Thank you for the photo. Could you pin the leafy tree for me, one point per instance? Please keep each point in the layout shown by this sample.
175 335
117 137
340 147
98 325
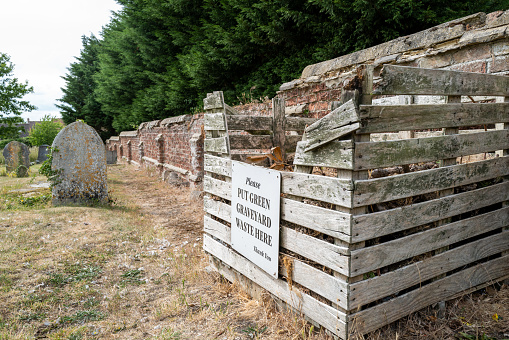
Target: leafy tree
45 131
11 105
80 100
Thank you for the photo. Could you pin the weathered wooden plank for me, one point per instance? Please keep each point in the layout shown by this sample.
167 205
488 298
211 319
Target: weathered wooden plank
339 122
336 154
378 256
230 110
385 189
279 124
218 165
214 121
376 118
217 208
324 253
326 189
372 155
219 145
330 287
369 226
250 142
420 81
217 187
298 123
217 229
213 100
366 291
330 222
325 315
372 318
250 123
318 281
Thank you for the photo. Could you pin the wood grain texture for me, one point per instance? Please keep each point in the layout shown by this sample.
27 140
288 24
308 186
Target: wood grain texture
374 155
325 315
250 142
381 255
372 318
378 190
214 121
219 145
337 123
298 123
218 165
217 187
420 81
369 226
370 290
336 154
251 123
390 118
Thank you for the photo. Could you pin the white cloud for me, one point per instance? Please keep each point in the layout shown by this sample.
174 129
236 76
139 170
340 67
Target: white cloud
43 37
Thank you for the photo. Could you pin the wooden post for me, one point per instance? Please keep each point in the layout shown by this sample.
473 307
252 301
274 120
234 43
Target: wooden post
504 153
278 124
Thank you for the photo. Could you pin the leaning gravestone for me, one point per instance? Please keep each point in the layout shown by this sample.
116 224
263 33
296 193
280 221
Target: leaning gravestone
43 153
80 162
17 159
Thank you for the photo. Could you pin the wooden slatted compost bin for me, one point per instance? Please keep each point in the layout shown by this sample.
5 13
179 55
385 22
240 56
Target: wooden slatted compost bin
371 229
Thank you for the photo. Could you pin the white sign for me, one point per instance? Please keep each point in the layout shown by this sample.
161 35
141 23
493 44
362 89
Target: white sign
255 214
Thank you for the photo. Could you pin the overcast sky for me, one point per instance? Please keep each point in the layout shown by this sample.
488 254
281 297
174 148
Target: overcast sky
42 37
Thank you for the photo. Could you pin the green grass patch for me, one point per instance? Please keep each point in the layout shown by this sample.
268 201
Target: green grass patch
73 273
132 277
82 316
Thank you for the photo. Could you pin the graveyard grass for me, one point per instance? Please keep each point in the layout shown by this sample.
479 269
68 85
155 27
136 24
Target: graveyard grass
135 269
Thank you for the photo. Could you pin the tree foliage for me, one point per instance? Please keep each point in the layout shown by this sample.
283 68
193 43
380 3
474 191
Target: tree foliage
45 131
159 58
11 103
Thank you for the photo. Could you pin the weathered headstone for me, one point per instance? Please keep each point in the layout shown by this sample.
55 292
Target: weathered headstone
17 159
111 157
80 160
43 153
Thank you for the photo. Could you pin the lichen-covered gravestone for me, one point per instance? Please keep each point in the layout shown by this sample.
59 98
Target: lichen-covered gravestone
80 160
17 159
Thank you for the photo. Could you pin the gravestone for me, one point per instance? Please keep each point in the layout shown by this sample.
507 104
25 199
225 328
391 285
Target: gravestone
43 153
111 157
17 159
80 162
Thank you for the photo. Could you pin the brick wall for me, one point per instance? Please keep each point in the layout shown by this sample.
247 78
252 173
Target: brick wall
476 43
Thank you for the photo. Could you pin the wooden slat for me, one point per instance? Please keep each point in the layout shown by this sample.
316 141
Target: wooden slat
217 208
369 226
324 253
217 187
279 124
250 142
381 255
339 122
298 123
250 123
372 318
326 189
420 81
325 315
217 229
330 222
374 155
364 292
219 145
213 100
214 121
388 118
330 287
218 165
337 154
378 190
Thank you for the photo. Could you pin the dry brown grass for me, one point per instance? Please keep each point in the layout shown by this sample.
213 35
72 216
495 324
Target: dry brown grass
135 269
